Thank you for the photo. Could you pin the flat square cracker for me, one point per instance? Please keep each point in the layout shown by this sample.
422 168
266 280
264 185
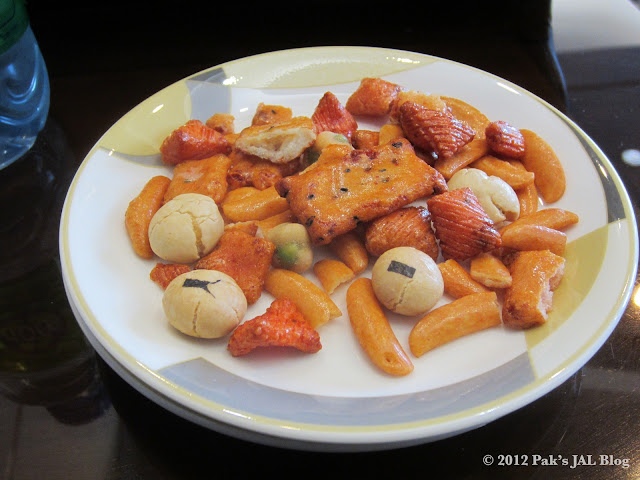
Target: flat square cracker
344 188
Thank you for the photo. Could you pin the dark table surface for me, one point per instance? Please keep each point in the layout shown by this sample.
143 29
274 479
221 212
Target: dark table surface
105 59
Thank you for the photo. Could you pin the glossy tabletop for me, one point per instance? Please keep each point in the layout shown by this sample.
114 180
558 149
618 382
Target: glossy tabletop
64 413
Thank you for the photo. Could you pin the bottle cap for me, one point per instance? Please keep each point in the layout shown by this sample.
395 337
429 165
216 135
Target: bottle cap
14 20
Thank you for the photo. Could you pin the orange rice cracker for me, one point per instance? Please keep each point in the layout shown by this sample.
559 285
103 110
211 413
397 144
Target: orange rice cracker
140 212
164 273
192 141
244 258
282 325
535 275
207 177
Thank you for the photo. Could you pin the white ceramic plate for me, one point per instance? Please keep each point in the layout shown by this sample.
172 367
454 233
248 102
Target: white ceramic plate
336 399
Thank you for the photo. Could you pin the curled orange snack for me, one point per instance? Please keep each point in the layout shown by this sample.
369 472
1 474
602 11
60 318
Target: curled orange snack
373 331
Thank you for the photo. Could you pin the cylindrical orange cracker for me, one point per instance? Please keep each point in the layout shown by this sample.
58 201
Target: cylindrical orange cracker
332 273
351 250
515 177
311 300
457 281
373 331
249 203
534 237
488 270
556 218
540 159
448 322
140 212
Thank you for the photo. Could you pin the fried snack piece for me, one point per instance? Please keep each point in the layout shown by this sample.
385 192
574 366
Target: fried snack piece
505 140
365 139
274 220
536 274
373 331
314 303
282 325
461 225
164 273
192 141
231 138
331 116
457 281
270 114
528 199
141 210
344 188
517 178
207 177
434 131
540 159
332 273
472 151
249 203
469 114
527 195
534 237
373 97
222 122
279 142
249 227
351 250
488 270
552 217
244 258
464 316
406 227
323 140
250 171
430 101
390 132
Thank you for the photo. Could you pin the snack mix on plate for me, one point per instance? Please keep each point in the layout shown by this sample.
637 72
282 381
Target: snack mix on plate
363 192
